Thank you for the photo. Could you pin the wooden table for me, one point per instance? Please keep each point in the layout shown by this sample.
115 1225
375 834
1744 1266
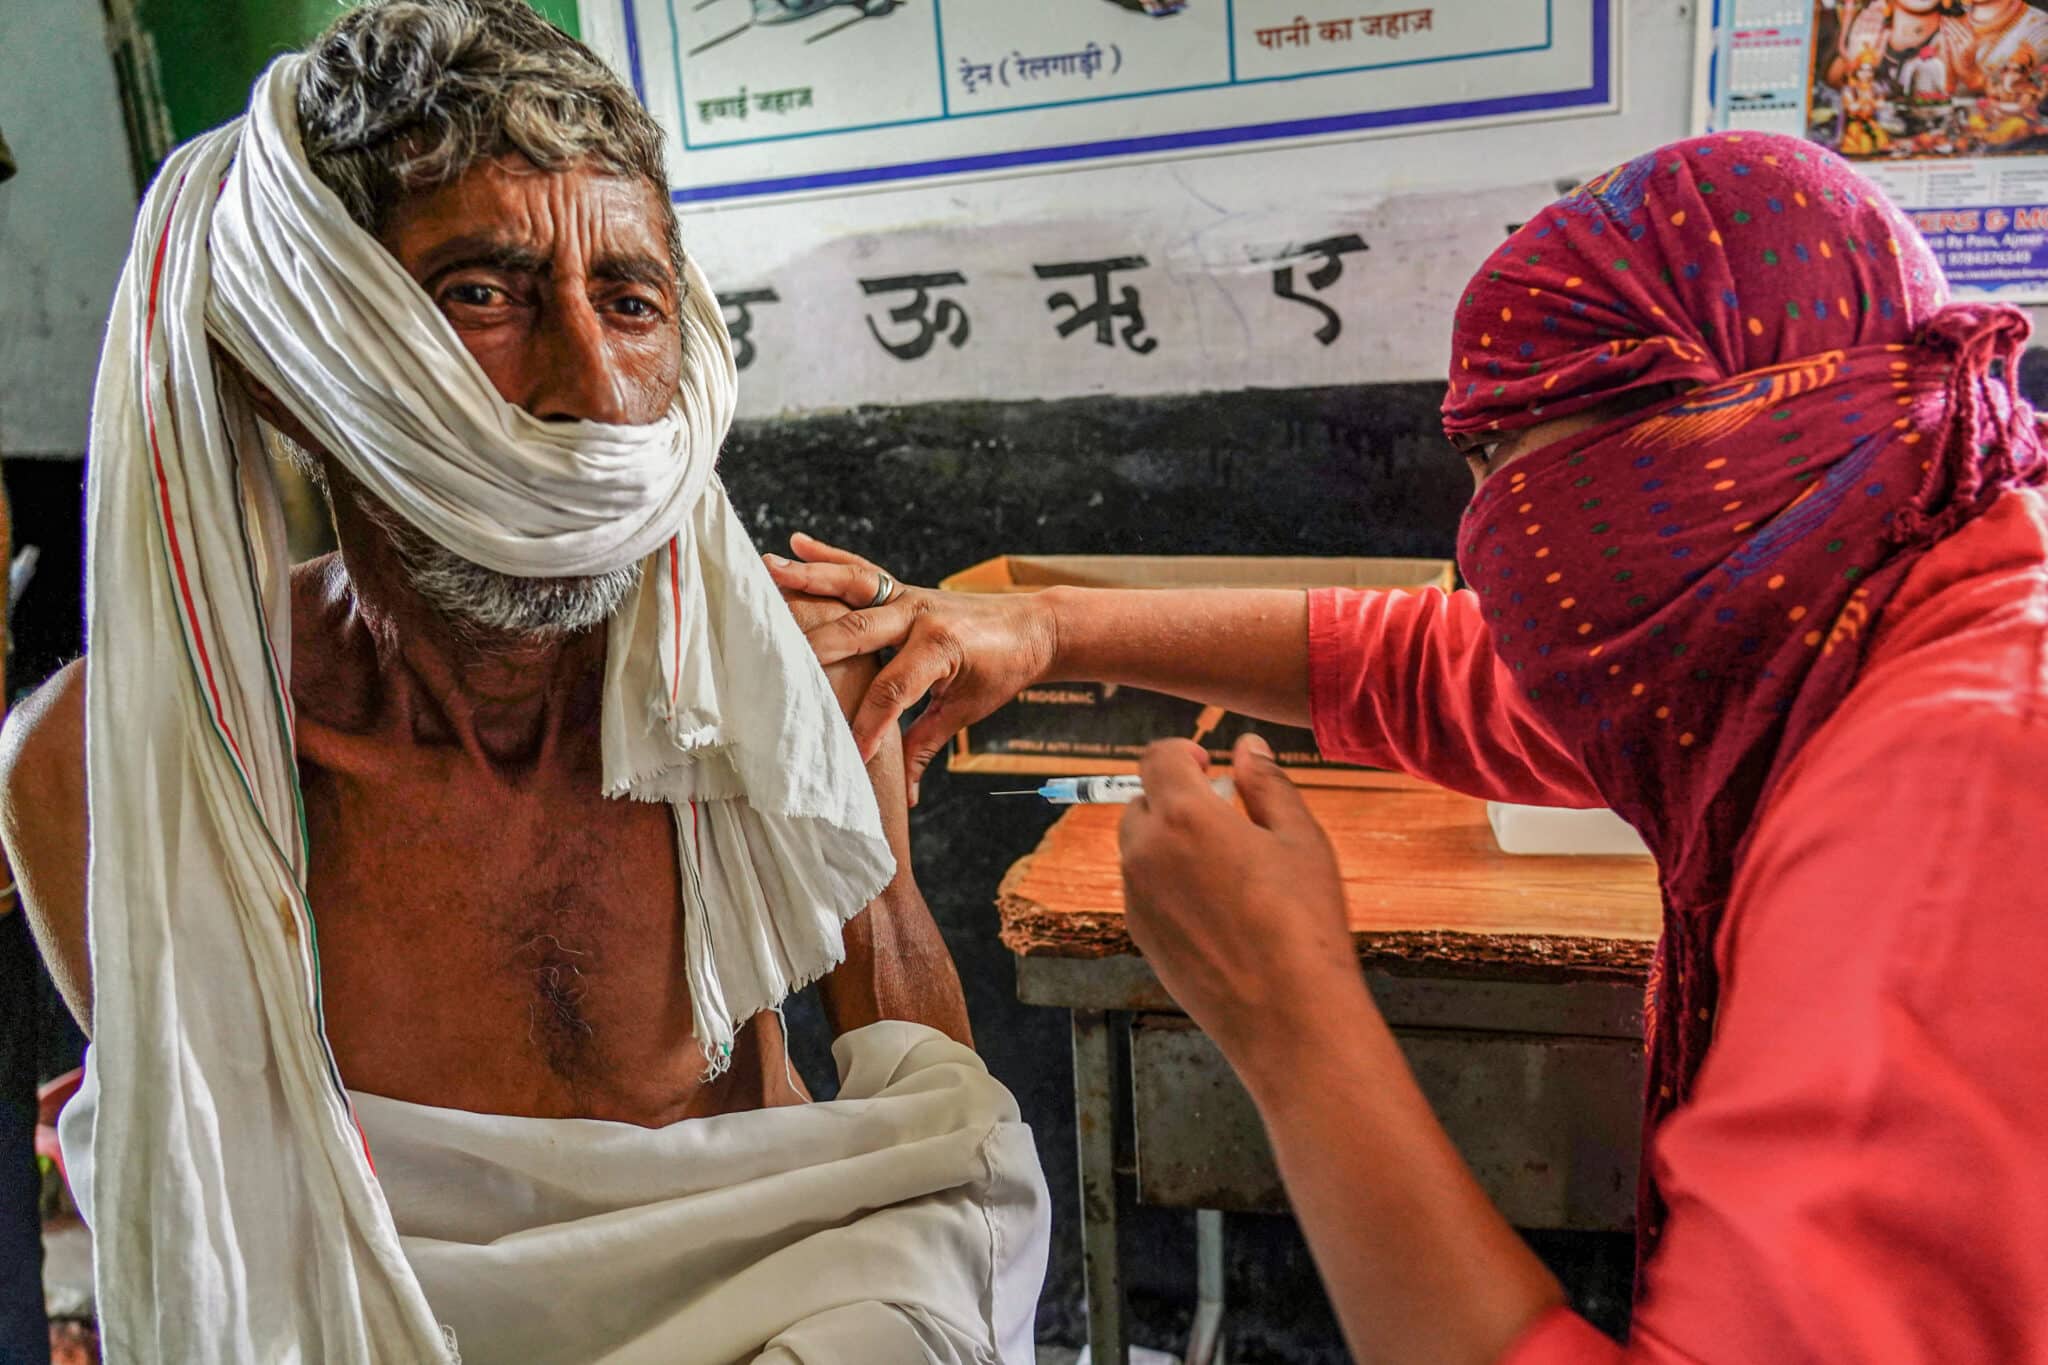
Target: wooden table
1514 985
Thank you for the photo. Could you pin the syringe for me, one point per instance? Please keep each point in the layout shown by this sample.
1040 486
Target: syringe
1105 791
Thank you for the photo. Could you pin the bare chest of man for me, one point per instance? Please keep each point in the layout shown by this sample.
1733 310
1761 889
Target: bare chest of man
510 946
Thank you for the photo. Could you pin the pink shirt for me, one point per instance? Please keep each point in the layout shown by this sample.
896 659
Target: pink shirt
1863 1172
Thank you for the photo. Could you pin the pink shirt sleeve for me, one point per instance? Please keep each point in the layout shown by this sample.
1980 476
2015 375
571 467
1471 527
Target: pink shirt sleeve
1409 681
1863 1171
1562 1337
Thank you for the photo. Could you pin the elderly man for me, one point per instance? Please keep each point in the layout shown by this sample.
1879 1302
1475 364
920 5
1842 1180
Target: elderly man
539 752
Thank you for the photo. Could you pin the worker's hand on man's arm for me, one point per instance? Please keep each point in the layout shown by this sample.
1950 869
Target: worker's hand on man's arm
970 653
1244 649
1242 916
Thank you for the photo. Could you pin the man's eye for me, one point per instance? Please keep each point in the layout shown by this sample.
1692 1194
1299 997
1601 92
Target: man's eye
473 295
1485 451
638 307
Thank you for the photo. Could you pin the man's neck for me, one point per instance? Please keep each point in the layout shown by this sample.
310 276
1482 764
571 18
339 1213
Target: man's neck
504 699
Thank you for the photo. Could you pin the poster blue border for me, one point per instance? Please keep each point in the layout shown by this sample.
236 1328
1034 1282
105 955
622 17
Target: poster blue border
1599 91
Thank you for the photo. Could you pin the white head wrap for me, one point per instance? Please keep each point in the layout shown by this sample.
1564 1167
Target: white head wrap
235 1204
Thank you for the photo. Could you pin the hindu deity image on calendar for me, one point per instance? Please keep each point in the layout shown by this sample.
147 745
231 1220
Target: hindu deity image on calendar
1900 79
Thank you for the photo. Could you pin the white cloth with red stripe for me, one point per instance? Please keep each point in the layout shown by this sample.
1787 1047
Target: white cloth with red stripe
237 1216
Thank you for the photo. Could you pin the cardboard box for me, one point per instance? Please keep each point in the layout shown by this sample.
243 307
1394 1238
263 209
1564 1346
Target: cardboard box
1079 729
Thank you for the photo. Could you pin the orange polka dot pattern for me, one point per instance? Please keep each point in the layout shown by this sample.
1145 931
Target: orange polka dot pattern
1705 259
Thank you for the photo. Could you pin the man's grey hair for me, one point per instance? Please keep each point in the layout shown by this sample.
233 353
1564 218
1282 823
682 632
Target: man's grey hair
401 97
404 96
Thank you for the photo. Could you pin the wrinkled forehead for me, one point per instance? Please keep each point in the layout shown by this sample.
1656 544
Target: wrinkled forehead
573 217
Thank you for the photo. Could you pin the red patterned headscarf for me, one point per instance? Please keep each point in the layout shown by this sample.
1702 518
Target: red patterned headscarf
1687 592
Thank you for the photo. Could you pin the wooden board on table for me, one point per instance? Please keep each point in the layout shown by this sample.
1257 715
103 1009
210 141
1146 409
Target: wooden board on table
1424 882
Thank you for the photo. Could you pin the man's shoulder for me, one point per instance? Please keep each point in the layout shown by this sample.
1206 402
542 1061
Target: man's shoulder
44 735
43 742
43 816
333 658
42 783
319 589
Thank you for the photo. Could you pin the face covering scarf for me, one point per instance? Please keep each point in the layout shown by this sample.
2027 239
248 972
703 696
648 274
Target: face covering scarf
1685 593
237 1205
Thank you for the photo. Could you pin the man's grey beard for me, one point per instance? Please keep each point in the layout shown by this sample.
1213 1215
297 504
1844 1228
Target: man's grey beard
470 594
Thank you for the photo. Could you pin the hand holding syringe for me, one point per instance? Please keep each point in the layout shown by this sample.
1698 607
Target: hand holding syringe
1105 791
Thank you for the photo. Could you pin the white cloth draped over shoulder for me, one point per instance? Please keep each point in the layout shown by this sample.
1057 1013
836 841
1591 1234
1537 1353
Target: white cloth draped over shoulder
238 1218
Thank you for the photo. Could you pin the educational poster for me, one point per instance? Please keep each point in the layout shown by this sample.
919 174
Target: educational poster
774 97
1939 101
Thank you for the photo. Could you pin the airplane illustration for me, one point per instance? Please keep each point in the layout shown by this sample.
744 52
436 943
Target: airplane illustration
768 12
788 11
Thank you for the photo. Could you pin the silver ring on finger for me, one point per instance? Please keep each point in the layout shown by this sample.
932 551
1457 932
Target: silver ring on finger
885 589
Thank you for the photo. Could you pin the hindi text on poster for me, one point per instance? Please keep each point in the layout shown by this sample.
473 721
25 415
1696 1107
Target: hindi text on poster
769 97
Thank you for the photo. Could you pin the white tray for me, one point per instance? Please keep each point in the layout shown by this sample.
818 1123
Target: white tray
1548 830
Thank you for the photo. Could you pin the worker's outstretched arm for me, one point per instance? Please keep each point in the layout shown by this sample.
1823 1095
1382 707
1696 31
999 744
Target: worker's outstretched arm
1244 649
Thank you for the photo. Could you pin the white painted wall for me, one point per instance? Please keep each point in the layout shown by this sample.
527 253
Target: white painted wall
64 220
1430 206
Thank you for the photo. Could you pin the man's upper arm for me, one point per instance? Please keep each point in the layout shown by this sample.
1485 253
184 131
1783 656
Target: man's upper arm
43 821
897 965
